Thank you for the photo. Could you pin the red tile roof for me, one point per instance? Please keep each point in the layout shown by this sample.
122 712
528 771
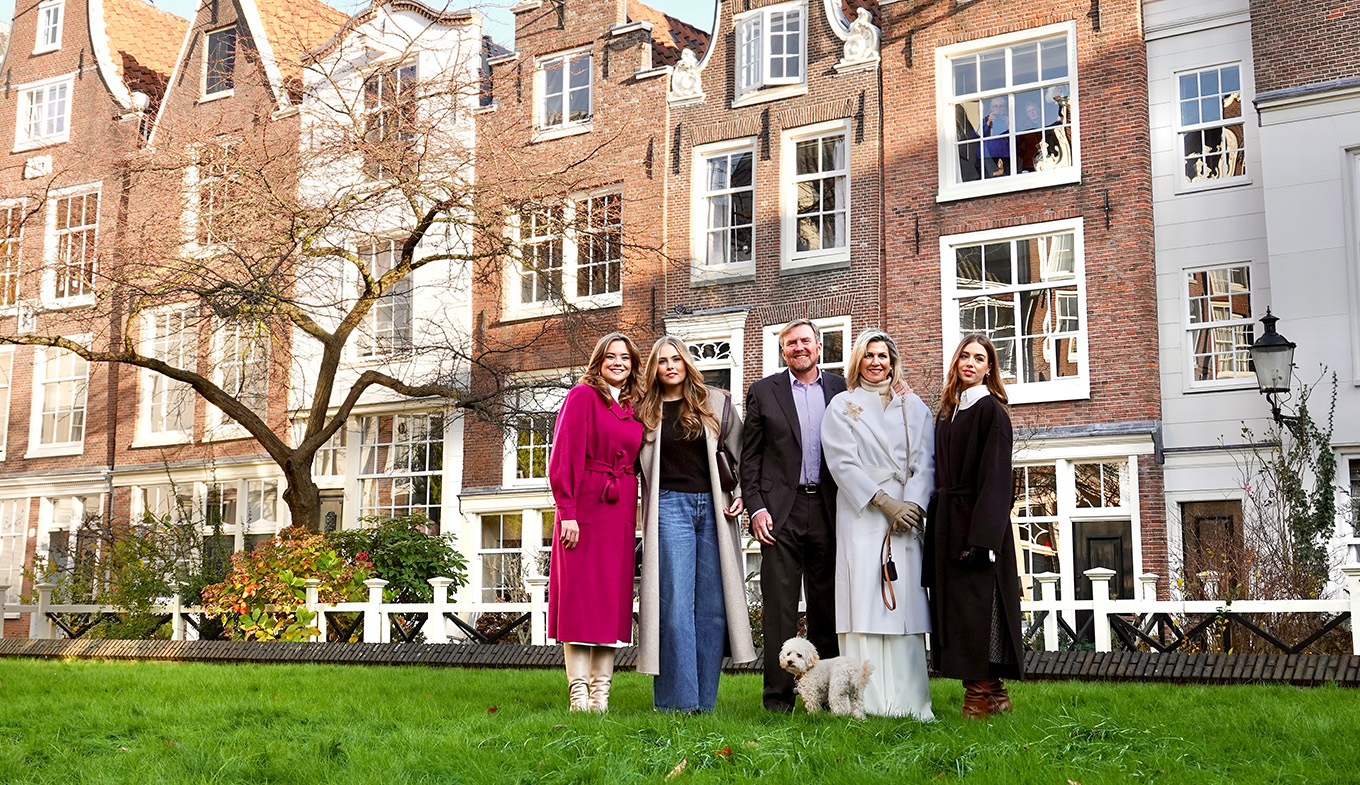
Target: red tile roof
670 36
295 27
144 42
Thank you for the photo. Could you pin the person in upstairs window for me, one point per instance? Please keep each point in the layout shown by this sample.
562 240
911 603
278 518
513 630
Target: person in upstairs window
996 139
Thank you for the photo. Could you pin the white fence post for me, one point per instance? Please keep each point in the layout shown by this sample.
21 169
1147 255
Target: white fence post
4 597
177 618
1353 586
1048 593
1100 595
537 585
39 626
375 621
1149 582
436 625
312 598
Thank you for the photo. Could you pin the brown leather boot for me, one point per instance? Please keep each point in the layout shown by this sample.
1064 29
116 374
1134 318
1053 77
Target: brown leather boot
996 692
977 702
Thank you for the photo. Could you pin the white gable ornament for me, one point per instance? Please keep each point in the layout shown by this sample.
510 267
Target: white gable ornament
686 84
861 43
37 166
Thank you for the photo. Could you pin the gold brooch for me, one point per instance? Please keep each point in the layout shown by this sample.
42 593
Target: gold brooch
853 411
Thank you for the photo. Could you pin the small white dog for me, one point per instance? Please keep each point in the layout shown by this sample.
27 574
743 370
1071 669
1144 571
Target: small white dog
836 684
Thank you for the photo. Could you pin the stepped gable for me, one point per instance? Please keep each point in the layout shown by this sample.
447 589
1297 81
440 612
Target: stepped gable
670 36
145 42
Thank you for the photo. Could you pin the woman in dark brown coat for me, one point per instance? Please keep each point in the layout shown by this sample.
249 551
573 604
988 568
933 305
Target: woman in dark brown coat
970 554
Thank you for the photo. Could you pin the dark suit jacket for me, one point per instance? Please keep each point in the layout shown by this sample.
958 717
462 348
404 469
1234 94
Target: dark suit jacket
772 447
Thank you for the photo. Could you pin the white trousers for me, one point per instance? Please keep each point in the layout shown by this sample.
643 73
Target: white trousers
900 684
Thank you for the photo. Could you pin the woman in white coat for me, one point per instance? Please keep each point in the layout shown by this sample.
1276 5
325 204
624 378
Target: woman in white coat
879 444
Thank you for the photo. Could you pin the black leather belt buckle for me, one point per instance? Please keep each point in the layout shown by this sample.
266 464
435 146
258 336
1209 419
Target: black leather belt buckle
810 487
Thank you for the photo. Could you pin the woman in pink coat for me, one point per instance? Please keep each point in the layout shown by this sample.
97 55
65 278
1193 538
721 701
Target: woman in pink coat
593 474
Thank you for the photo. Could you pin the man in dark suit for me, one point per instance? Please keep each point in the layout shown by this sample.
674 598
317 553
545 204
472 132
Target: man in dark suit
792 497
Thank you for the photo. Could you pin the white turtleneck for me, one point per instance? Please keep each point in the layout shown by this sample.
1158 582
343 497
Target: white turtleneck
614 391
883 388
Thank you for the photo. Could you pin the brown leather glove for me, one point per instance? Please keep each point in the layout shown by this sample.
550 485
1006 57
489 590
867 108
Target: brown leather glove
906 517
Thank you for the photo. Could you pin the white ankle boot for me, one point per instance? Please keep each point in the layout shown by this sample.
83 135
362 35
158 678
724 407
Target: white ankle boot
578 662
601 677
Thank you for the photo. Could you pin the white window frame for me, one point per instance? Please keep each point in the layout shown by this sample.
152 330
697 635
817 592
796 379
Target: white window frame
1064 458
222 426
154 384
56 91
1066 389
207 64
212 180
546 401
6 395
390 117
701 269
378 459
569 235
81 505
1184 185
54 266
753 55
51 20
36 447
729 328
951 188
1191 329
567 126
369 345
13 548
772 359
11 255
789 181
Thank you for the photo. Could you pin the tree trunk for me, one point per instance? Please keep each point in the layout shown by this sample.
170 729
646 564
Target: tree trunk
302 496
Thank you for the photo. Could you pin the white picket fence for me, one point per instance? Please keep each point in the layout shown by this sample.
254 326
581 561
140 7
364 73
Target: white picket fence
1102 606
377 614
438 629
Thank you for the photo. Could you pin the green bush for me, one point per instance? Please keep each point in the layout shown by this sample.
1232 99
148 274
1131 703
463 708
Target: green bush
404 554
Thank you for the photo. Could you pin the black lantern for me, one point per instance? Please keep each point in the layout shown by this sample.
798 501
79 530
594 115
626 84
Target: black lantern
1272 355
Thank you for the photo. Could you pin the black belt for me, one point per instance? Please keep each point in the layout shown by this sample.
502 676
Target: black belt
810 488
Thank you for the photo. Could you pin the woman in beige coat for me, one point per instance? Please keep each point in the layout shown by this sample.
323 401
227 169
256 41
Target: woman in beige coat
693 600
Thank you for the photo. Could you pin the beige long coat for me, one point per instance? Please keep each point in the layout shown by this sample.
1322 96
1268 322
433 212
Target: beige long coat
730 559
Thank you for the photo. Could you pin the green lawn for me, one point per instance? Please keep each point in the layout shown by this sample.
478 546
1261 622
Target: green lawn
97 722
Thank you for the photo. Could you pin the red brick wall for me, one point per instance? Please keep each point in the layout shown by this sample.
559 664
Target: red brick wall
777 295
1303 42
626 148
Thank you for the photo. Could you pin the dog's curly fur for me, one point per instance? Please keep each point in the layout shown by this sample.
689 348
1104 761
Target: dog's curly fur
836 684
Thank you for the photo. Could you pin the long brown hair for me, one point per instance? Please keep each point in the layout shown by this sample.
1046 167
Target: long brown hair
953 386
694 413
631 388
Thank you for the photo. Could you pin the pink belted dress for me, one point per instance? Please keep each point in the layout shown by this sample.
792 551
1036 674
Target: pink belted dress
593 474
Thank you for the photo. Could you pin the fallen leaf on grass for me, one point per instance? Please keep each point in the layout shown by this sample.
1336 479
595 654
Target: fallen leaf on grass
752 744
492 709
1074 782
725 752
123 749
171 743
679 769
941 775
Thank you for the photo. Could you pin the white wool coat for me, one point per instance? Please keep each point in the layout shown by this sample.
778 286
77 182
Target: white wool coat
866 448
730 560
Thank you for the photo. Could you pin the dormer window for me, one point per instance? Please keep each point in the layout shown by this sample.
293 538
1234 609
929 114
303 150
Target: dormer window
564 91
219 75
771 47
49 27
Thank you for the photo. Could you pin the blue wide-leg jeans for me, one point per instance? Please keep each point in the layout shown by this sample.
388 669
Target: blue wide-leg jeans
693 622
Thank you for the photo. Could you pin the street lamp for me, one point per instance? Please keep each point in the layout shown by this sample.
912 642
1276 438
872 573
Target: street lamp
1272 355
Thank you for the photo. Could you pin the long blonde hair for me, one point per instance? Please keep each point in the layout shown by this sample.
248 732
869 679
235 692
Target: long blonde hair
694 413
861 348
631 388
953 386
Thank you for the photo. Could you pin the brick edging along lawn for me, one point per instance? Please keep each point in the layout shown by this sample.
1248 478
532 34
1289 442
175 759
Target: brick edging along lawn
1298 669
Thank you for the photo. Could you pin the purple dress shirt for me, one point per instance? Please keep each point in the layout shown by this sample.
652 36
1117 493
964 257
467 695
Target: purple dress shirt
810 401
